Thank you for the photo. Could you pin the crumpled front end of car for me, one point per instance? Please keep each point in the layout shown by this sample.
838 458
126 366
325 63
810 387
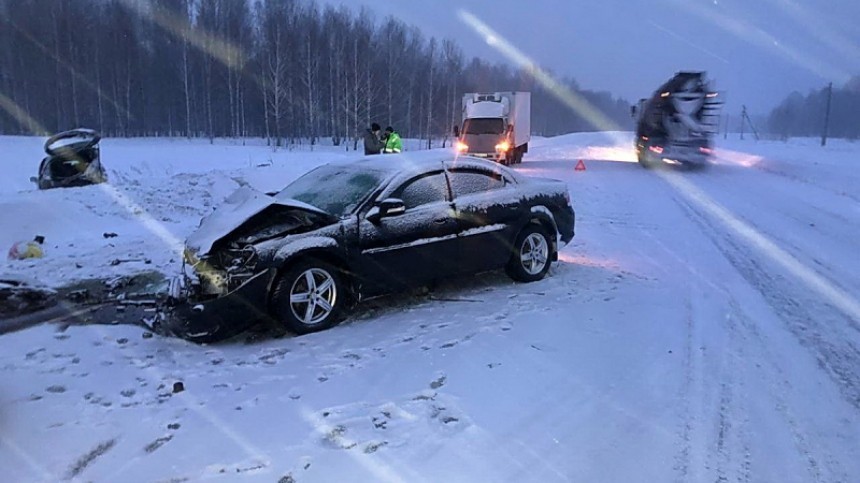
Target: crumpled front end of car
217 296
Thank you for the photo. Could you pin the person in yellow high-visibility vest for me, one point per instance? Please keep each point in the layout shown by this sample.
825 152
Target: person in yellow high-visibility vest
393 143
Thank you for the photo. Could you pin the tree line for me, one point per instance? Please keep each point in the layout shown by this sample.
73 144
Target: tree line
287 70
804 115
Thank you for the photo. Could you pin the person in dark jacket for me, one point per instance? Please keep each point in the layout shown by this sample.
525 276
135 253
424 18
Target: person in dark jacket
372 142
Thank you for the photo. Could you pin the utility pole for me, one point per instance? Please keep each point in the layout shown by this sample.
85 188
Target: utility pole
827 114
726 132
743 118
749 121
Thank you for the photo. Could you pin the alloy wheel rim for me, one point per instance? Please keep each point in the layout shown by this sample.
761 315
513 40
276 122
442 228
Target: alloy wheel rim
534 253
313 296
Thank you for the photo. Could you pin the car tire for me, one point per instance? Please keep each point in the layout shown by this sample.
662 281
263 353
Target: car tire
532 255
309 296
643 160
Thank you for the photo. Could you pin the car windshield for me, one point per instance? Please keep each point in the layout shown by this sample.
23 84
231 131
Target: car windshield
483 125
334 188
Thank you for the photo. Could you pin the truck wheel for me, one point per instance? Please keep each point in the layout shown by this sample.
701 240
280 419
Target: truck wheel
643 160
309 297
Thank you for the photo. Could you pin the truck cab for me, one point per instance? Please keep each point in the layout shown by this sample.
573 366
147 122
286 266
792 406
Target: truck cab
496 126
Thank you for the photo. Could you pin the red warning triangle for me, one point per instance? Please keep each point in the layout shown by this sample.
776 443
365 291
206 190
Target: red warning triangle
580 166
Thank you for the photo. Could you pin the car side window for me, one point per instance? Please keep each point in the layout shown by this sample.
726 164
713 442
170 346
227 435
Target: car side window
468 182
423 190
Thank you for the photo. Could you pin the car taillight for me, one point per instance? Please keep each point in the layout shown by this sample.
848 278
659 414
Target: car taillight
706 150
462 147
656 149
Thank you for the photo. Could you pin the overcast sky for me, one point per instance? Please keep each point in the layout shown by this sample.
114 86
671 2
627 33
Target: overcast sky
758 51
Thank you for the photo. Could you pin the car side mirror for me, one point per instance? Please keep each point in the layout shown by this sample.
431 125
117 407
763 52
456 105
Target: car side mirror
633 112
33 179
385 208
456 131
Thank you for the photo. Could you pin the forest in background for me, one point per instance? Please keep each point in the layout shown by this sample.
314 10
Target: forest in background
802 116
287 70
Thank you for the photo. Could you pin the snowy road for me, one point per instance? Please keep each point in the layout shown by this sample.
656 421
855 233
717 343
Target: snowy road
701 327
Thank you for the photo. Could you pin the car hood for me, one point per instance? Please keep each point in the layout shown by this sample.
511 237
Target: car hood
238 209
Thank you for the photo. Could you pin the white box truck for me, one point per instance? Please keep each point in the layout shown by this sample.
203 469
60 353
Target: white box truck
495 126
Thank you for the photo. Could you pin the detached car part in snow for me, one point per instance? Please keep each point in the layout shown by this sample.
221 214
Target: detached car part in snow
73 160
21 296
343 233
677 124
27 249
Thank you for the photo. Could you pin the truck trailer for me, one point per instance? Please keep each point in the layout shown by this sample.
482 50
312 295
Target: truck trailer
678 123
496 126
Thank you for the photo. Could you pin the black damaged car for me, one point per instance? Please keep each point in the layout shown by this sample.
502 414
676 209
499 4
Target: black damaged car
73 160
345 232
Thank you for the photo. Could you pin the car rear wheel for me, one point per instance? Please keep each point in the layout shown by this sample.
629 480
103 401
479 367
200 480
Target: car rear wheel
532 255
309 297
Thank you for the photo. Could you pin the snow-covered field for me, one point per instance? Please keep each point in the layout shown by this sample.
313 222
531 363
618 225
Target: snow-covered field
703 326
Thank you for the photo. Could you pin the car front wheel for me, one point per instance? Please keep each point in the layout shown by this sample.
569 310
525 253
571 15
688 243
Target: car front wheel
532 255
309 297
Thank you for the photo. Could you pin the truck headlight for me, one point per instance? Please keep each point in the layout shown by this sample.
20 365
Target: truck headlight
503 146
462 147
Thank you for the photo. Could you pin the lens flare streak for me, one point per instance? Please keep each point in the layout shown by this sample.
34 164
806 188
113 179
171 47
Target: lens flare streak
836 296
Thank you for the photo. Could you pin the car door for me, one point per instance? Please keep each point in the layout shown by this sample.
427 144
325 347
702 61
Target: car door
414 247
487 209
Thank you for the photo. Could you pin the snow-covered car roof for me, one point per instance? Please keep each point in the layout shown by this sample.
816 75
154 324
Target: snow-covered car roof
411 163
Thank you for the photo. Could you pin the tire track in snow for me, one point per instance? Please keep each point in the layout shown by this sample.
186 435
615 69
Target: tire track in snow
828 333
776 376
834 350
821 223
699 202
683 456
714 424
733 439
835 355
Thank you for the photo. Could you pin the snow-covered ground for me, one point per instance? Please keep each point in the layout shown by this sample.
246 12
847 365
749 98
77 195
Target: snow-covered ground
703 326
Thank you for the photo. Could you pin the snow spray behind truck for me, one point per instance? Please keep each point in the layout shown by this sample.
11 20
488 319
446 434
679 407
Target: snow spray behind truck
495 126
677 124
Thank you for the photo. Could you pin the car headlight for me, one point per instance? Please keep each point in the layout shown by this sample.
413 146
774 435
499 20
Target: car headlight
189 257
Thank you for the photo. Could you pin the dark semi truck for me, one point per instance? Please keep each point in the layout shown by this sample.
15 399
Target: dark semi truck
677 124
